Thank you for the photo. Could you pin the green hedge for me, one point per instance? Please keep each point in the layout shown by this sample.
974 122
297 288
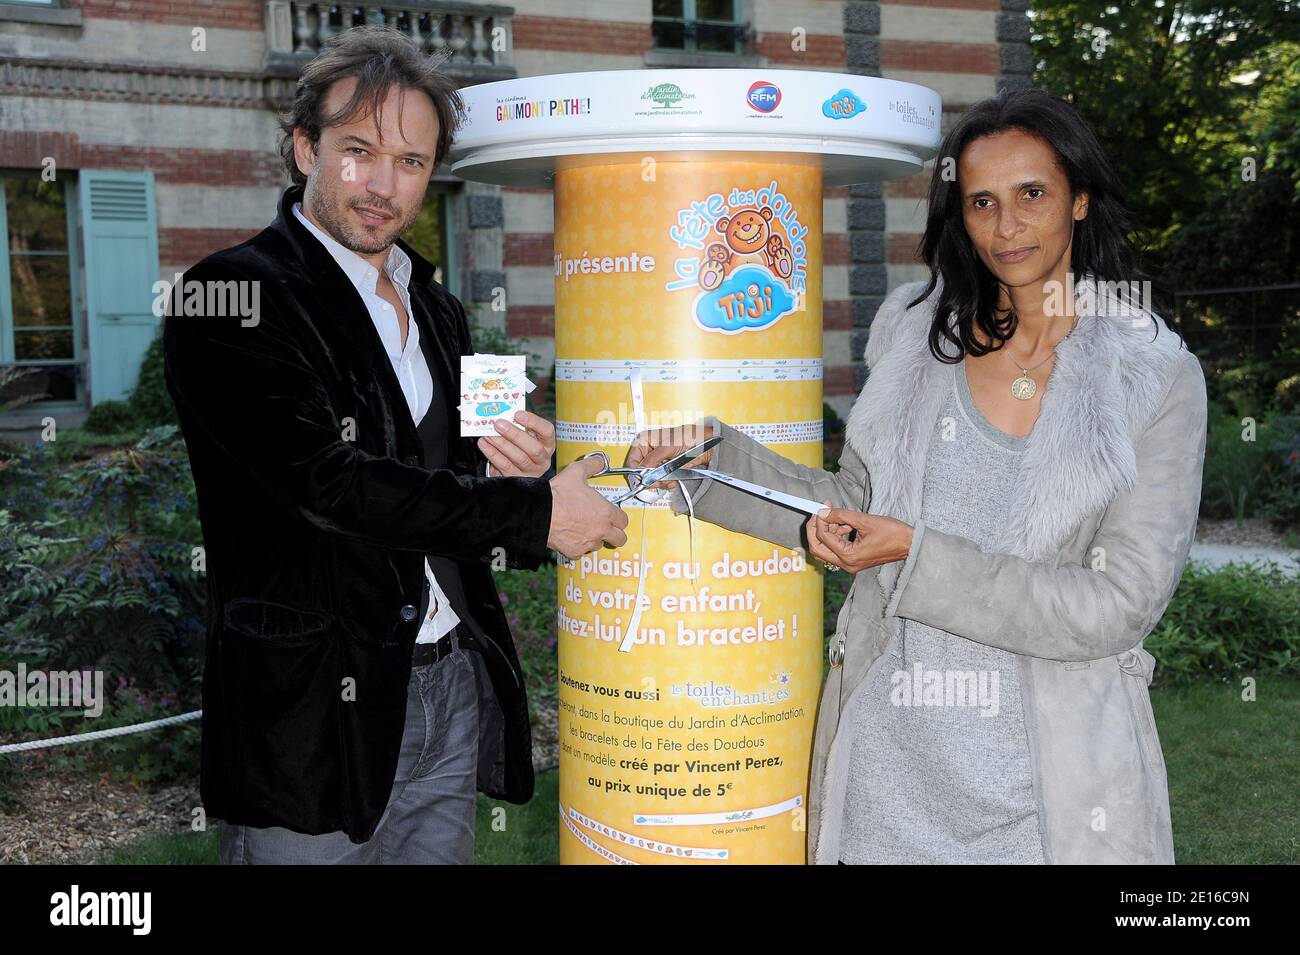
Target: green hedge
1228 623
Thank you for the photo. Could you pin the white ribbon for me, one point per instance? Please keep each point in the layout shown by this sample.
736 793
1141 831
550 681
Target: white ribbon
638 413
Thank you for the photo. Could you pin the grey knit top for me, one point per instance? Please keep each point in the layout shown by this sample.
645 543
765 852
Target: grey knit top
939 767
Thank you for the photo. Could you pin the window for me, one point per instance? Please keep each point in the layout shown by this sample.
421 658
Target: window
50 13
431 236
705 26
37 267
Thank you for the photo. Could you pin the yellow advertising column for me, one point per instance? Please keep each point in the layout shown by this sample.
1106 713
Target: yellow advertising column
694 285
688 282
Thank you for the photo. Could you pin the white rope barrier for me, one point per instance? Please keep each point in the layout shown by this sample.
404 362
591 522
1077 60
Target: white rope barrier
98 734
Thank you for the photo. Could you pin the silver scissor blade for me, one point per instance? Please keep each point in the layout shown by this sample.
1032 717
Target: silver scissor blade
795 502
651 475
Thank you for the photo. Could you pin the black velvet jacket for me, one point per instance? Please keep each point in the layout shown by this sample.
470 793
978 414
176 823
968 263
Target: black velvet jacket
316 516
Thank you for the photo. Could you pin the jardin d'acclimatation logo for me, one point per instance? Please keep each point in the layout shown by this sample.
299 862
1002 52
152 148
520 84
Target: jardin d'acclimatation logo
666 95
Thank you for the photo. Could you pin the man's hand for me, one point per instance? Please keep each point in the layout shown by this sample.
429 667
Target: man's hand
878 540
520 452
582 520
653 447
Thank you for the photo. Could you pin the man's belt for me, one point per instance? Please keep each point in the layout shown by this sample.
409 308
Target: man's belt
459 638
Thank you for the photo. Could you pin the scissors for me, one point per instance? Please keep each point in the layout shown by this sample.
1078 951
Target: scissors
791 501
641 478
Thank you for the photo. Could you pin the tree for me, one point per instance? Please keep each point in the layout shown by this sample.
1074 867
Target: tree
1197 103
1171 87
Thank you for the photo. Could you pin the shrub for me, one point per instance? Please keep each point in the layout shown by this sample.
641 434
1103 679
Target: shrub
73 445
528 598
163 755
1249 478
1243 387
110 417
1228 622
105 581
148 406
160 755
1281 498
151 405
1286 396
495 341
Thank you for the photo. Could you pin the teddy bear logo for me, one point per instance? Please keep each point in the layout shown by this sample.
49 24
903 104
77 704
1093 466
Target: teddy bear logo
746 232
778 256
713 267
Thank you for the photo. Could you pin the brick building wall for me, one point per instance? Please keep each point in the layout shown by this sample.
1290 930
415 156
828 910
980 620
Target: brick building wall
965 49
117 84
198 119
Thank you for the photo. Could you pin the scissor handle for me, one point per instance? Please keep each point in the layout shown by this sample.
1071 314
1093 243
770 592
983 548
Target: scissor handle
604 458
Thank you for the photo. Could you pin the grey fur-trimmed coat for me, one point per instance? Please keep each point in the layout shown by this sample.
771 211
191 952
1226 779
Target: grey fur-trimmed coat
1092 550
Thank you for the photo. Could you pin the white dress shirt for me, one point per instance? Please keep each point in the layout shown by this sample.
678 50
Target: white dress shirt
408 364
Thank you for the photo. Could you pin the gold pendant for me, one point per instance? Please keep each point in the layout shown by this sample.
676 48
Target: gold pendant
1023 388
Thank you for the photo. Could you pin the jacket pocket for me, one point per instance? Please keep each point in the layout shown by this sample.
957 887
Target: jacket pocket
282 667
1158 843
861 630
836 649
275 623
1138 662
1139 665
1104 798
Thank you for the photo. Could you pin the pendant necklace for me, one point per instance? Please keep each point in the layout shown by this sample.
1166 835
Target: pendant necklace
1024 387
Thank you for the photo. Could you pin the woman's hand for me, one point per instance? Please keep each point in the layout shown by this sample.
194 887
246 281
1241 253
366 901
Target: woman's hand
523 451
654 447
878 540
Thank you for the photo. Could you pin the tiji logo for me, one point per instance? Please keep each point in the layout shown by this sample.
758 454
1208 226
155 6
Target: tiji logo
764 96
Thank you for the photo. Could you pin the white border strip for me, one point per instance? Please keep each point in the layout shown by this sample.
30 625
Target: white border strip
764 432
594 846
664 848
611 491
713 818
693 369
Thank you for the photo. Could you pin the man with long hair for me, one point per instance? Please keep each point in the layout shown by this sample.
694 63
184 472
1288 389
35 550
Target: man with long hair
360 681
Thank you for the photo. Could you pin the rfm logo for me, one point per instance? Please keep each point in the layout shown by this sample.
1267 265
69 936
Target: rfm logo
764 96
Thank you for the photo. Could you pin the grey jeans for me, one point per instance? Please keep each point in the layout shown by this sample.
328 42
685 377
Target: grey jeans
430 813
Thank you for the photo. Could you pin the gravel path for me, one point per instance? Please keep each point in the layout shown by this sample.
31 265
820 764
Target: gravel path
75 818
1216 555
70 817
1251 542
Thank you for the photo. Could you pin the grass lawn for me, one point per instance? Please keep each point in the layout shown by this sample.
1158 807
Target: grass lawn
1232 771
507 834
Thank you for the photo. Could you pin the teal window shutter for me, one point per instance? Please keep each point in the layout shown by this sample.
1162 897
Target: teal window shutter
119 224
